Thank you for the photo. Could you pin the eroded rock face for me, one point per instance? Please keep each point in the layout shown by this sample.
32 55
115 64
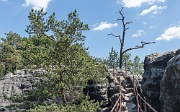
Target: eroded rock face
20 82
170 86
154 67
98 92
107 92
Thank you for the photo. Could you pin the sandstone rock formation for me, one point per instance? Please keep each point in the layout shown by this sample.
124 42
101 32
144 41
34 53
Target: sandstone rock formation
154 67
108 93
170 86
20 82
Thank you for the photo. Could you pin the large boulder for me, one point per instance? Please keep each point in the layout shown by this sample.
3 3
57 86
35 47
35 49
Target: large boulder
154 67
170 86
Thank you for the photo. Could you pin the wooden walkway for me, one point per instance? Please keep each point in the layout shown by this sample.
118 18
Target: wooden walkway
130 97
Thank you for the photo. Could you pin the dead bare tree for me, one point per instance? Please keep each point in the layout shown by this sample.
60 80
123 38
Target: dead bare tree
121 40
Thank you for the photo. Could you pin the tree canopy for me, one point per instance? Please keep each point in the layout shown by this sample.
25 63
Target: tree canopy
57 47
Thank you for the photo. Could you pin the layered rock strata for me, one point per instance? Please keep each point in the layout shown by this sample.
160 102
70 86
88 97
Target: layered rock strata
20 82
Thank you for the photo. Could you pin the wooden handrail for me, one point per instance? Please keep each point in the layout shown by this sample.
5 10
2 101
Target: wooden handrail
139 99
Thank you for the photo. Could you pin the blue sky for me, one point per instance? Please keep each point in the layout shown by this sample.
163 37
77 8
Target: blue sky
153 20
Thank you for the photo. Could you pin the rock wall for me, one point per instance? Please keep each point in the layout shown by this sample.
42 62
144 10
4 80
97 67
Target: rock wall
154 67
170 86
98 92
20 82
23 81
161 83
107 92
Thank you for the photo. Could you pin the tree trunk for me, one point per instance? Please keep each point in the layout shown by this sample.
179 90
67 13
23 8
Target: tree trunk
5 68
63 96
120 59
122 44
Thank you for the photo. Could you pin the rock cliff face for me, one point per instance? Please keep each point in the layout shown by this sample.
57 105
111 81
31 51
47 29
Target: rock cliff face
170 86
23 81
160 84
107 92
154 67
20 82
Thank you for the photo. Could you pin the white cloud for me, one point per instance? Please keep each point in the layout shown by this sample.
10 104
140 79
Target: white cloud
104 25
154 9
36 4
170 33
138 34
137 3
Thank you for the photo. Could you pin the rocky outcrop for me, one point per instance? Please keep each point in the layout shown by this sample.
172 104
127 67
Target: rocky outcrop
97 91
106 92
170 86
20 82
154 67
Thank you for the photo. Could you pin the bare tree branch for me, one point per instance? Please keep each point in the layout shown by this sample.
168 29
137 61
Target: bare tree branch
138 47
128 22
123 35
126 29
115 36
122 15
122 39
49 37
120 11
119 19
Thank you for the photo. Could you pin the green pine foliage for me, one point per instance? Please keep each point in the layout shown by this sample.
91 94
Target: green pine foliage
10 53
135 65
84 106
137 68
127 62
58 48
113 59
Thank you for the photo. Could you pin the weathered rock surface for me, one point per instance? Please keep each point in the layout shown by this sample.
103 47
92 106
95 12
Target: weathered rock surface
170 86
154 67
107 92
20 82
98 92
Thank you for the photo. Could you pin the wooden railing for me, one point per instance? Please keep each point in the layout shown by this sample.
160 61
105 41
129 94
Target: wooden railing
140 100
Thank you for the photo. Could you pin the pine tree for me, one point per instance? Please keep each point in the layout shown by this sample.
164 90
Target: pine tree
127 63
137 66
63 55
113 59
10 53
